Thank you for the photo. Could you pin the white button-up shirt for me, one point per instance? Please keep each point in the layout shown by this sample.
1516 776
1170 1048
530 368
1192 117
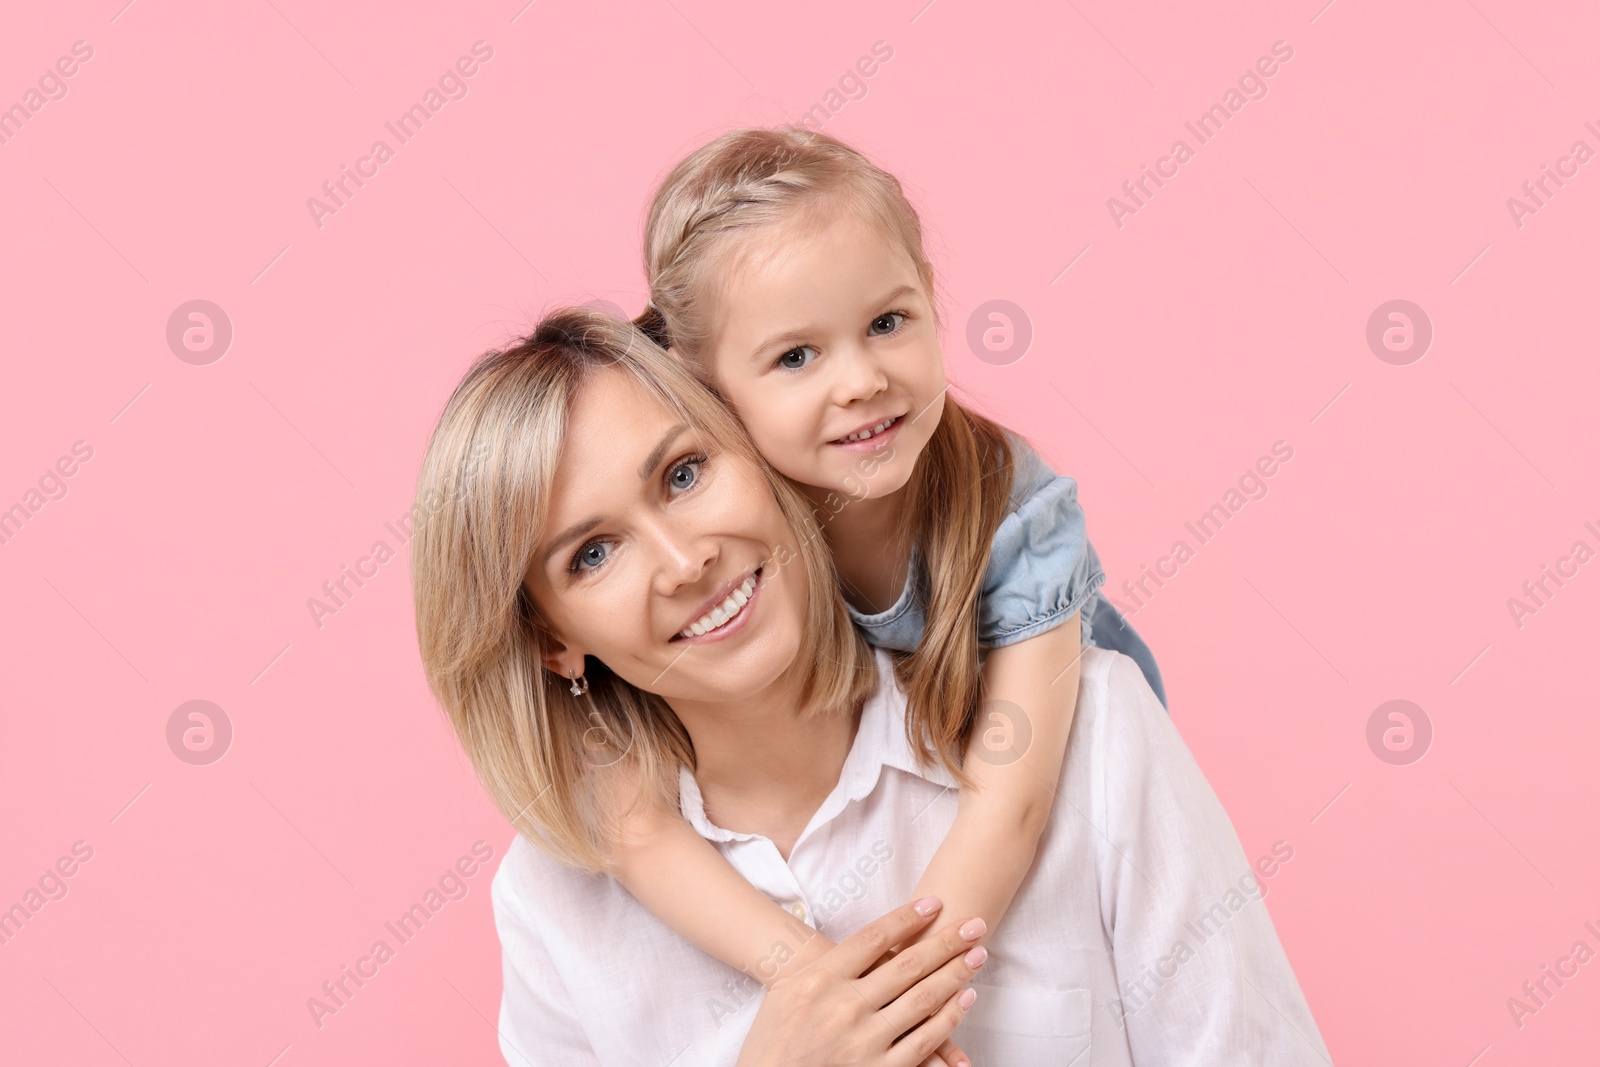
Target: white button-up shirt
1139 936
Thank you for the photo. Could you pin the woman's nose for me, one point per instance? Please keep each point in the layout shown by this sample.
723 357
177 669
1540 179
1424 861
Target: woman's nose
684 556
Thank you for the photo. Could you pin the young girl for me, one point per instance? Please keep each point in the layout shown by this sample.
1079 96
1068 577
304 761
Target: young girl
788 272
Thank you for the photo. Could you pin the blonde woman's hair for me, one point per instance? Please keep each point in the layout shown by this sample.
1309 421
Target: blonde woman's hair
698 226
482 505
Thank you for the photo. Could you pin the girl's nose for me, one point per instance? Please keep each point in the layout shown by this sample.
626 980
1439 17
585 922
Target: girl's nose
861 375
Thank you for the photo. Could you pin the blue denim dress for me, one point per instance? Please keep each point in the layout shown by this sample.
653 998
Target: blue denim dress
1042 568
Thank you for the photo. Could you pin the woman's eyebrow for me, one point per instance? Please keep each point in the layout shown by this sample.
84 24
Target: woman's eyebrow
653 460
570 534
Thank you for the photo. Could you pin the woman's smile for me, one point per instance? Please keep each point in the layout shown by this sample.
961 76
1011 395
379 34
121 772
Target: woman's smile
728 613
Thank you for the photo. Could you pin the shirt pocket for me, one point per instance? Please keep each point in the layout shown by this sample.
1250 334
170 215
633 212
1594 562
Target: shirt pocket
1025 1027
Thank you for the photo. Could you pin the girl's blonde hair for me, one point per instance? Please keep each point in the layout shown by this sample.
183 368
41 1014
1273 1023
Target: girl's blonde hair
483 500
750 180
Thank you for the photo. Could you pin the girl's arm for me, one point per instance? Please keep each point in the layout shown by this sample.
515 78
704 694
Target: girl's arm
1014 757
690 886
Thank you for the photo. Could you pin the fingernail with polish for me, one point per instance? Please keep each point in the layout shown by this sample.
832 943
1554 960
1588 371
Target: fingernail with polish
976 957
966 998
926 906
972 928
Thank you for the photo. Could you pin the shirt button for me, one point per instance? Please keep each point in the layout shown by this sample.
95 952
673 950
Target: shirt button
798 909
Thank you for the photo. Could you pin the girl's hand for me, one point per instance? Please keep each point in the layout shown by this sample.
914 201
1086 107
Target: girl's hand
899 1014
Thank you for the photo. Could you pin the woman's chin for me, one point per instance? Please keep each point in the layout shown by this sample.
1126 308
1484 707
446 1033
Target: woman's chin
731 670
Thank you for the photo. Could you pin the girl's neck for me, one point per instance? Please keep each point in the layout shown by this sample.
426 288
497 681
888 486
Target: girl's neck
871 545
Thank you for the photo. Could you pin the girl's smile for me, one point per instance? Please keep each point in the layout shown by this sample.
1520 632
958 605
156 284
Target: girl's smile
871 438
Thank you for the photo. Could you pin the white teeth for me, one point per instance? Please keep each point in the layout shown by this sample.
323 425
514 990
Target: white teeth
723 611
871 431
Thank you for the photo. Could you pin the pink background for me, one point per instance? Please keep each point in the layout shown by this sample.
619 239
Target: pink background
1230 312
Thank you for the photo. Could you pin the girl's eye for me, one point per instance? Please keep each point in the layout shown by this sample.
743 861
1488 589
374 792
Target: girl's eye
886 323
796 358
590 557
685 475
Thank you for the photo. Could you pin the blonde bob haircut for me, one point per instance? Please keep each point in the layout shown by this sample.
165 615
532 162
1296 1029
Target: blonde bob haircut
481 511
700 225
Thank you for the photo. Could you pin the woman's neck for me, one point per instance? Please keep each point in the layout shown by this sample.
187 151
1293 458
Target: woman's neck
761 768
871 545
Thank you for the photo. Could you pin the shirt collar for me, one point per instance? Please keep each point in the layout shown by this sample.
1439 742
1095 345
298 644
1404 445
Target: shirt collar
880 742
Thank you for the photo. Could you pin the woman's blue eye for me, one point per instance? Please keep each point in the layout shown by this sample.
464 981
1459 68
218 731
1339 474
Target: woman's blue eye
888 322
796 358
590 556
685 474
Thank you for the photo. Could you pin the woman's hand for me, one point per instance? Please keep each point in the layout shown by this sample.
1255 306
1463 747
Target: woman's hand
899 1014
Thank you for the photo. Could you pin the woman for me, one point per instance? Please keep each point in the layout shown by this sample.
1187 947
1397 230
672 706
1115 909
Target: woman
584 501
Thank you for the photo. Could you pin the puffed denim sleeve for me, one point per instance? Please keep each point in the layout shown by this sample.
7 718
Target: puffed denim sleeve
1041 565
